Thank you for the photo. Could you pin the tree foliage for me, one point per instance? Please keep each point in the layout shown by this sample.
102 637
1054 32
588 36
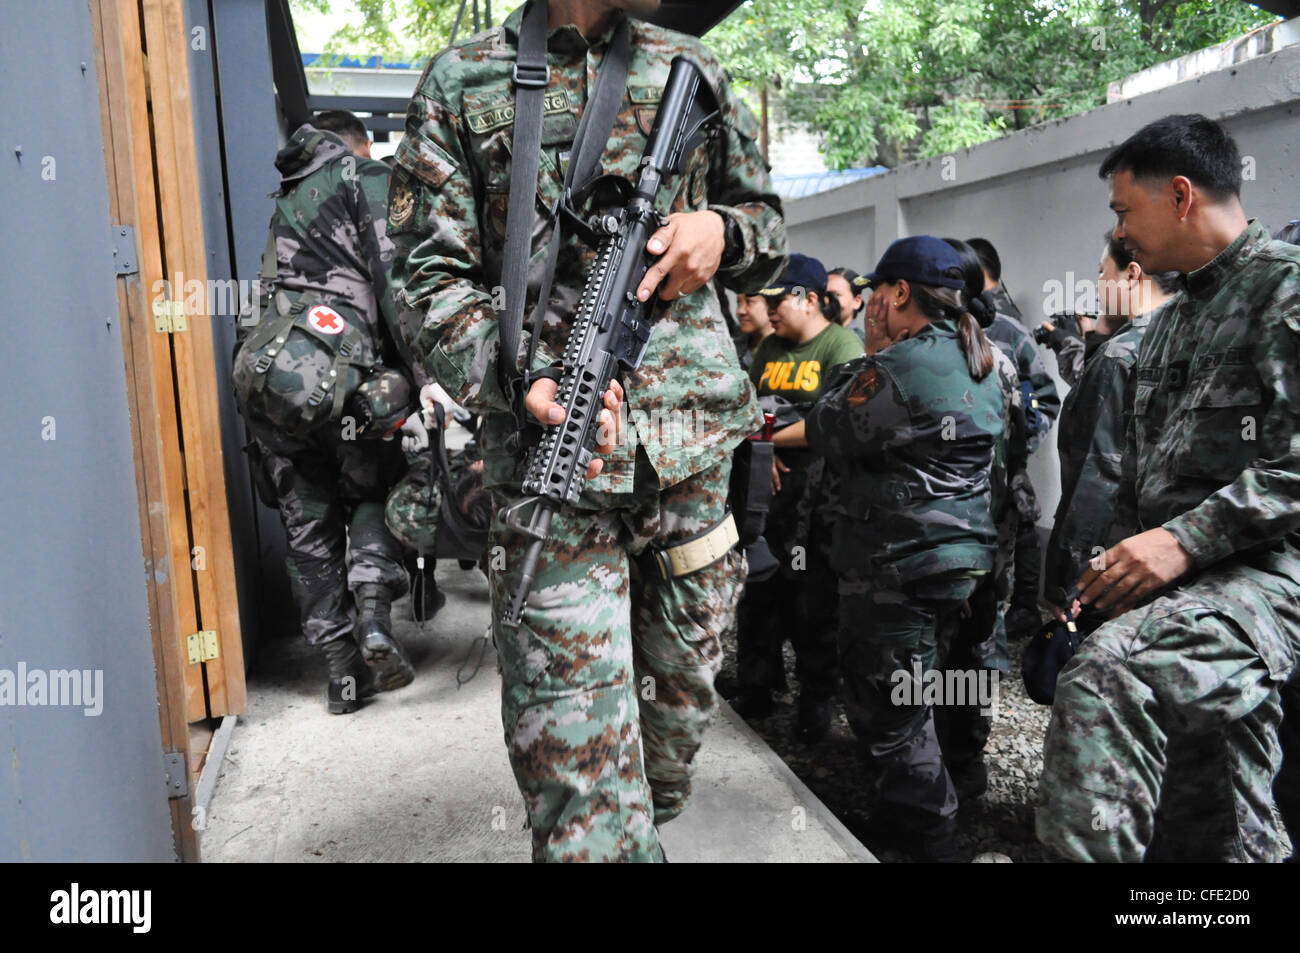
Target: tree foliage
887 81
401 30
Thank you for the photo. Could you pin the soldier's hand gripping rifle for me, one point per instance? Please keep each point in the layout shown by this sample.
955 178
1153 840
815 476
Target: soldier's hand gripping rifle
611 329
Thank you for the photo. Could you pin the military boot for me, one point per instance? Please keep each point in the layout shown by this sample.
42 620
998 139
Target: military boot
350 678
383 653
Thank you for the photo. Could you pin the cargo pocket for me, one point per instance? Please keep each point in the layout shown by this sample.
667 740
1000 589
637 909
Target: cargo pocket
524 656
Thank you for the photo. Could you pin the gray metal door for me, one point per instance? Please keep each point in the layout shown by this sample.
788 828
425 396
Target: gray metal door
81 772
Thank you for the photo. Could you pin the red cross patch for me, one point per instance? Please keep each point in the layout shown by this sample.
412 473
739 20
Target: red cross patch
325 319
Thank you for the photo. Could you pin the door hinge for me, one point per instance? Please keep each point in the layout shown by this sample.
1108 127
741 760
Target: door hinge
202 646
177 777
168 316
122 240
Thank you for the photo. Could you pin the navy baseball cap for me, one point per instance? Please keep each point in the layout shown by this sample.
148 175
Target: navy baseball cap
801 273
923 259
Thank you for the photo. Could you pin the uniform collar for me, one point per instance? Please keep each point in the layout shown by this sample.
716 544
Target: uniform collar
1207 279
565 39
946 326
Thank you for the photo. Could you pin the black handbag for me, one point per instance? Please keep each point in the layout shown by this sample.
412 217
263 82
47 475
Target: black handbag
1046 654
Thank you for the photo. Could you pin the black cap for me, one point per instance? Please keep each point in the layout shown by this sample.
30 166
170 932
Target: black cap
802 274
923 259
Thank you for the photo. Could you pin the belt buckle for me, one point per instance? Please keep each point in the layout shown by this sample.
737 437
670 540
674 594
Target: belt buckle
663 564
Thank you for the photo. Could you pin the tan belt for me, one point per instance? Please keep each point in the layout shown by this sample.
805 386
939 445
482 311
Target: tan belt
693 554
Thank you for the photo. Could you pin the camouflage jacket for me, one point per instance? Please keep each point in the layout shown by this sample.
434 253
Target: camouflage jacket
1018 344
1071 354
1011 454
1002 302
912 437
1091 447
1212 451
447 217
330 224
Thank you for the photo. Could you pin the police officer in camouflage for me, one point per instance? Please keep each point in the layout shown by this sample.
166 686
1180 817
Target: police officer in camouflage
329 243
608 679
911 429
1163 740
1091 439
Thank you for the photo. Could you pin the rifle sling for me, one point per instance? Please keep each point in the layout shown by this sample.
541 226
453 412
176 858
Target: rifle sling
588 145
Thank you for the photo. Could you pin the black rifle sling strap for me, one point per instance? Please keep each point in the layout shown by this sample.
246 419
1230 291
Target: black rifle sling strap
531 78
584 158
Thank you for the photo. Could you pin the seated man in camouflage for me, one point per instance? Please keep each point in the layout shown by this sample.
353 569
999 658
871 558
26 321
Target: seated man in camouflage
1163 740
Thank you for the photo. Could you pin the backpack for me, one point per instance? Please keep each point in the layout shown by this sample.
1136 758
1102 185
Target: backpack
308 354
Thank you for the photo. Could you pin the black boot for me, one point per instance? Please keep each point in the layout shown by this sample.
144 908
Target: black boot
383 653
350 678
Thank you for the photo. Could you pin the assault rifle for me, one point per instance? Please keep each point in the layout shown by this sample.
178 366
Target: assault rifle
611 329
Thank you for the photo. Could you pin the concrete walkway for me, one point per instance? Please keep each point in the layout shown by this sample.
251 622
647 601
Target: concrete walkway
421 774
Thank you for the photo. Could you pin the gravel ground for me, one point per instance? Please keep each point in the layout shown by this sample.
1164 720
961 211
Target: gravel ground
1000 821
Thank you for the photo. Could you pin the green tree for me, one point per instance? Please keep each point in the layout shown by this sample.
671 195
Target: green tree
403 30
886 81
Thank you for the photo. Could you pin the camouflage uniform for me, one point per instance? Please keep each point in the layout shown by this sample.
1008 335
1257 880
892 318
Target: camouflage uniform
1163 740
915 539
330 486
1002 303
1018 344
595 778
1091 446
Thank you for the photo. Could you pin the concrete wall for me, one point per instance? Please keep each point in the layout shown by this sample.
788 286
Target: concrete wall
1035 193
76 784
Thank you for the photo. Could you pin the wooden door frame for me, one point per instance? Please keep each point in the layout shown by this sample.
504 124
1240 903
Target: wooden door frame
153 184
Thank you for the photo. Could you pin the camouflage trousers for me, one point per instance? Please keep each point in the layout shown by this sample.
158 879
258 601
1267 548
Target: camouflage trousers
979 643
608 680
1163 739
882 633
1028 548
998 583
330 493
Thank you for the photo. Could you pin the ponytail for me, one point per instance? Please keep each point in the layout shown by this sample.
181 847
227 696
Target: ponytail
978 351
949 304
830 306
